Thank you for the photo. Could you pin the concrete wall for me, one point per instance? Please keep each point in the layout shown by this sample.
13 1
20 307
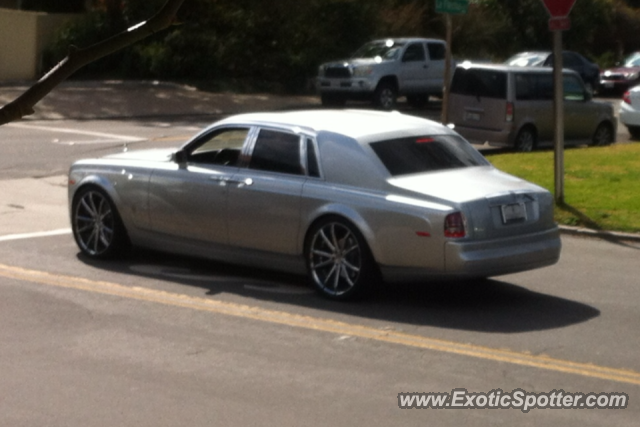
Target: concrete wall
23 37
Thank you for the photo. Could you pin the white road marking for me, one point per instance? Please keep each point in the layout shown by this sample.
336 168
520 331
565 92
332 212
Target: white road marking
111 136
36 234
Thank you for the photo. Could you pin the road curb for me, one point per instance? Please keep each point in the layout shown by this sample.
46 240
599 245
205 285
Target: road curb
601 234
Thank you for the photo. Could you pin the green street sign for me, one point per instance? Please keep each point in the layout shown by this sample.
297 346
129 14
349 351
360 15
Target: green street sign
452 6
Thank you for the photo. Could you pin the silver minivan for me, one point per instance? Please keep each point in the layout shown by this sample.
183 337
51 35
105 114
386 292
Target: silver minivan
513 107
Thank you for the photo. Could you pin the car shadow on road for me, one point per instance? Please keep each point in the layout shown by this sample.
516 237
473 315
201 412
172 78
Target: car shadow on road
493 306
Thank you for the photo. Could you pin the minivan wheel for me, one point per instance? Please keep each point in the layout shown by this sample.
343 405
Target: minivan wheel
602 136
526 140
385 96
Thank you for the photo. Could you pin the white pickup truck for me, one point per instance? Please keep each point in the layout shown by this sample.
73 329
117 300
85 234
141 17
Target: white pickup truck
383 70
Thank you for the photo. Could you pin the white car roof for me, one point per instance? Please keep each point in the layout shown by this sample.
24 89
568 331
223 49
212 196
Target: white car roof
357 124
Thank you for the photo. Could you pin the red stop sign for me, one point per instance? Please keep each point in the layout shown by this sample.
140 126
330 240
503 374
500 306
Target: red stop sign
558 8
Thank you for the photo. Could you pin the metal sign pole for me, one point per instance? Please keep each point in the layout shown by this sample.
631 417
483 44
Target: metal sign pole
447 73
558 107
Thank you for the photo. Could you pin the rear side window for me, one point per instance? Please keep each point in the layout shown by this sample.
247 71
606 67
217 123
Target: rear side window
277 152
405 156
534 86
479 83
436 51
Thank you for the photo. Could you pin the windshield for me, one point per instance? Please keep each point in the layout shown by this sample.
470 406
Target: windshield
411 155
385 49
526 60
633 60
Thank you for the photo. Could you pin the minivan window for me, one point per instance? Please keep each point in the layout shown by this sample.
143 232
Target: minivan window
480 83
410 155
534 87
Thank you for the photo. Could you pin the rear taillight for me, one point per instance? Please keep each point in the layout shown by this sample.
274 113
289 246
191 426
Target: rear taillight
454 225
509 112
626 98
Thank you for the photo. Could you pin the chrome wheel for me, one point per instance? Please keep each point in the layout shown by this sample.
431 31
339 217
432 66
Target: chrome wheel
338 260
96 226
525 141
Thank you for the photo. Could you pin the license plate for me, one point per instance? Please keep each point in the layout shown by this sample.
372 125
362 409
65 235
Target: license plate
469 116
515 212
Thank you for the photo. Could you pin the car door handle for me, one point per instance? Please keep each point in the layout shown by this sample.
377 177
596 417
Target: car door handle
223 180
241 182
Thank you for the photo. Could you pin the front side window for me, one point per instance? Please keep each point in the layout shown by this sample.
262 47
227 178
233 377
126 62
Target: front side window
221 147
414 52
405 156
573 89
277 151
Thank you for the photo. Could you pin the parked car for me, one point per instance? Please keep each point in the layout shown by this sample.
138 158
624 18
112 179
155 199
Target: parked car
589 71
383 70
349 197
513 107
623 76
630 111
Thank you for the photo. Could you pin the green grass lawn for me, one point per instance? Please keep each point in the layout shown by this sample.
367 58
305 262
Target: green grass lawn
601 184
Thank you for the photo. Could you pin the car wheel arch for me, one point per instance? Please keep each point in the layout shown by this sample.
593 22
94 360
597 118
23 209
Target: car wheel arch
121 240
610 127
526 127
341 213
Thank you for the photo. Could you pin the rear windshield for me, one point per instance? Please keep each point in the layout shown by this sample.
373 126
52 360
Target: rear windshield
479 83
405 156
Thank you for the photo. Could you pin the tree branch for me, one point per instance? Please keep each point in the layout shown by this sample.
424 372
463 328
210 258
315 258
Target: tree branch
78 58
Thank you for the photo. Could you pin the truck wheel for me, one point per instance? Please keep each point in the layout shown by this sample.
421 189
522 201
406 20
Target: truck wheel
385 96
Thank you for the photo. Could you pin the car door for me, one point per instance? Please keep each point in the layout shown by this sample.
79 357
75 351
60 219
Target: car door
436 64
579 115
413 69
264 200
188 197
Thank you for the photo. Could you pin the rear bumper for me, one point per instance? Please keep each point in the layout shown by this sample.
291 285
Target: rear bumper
629 115
480 136
464 260
503 256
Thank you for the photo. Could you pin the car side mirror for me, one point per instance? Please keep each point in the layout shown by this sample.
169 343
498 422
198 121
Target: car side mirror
180 157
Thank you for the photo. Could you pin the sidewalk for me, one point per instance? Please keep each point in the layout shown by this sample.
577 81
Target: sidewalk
121 99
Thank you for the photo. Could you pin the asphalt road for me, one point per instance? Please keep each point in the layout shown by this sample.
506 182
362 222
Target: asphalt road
157 340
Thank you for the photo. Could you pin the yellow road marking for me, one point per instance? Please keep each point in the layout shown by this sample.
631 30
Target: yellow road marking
319 324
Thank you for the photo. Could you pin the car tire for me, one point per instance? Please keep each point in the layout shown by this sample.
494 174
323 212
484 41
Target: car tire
418 101
385 96
332 100
602 136
634 131
339 262
97 227
526 140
